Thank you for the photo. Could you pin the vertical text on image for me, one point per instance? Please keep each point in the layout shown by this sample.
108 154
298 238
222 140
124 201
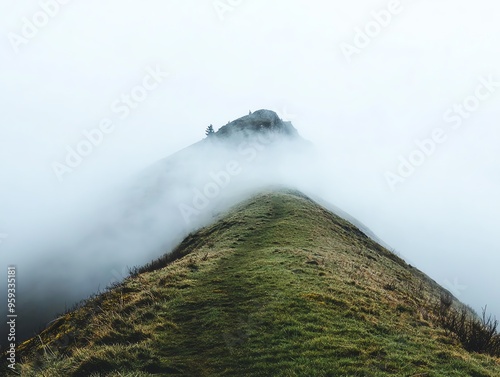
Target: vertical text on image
11 317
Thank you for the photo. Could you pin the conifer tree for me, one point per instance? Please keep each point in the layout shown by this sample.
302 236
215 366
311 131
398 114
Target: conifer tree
210 130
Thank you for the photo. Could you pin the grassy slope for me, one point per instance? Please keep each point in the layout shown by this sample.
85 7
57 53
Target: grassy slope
278 287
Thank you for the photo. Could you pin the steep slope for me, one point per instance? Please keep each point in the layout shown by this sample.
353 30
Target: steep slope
279 286
149 213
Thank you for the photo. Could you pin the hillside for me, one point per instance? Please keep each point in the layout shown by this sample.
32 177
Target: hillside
278 286
150 211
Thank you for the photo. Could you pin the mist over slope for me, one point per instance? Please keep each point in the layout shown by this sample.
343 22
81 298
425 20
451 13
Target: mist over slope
100 237
277 286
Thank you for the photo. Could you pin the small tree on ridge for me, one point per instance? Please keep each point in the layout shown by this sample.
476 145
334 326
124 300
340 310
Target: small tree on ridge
210 130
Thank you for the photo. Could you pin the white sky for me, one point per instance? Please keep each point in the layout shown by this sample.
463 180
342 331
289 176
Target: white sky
282 55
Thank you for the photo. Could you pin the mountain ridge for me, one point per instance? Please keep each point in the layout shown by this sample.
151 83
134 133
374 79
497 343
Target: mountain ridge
277 286
140 217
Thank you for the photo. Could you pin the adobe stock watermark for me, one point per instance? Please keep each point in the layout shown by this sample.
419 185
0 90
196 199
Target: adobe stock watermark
363 37
454 118
31 26
220 180
245 324
285 116
221 7
119 277
455 287
122 108
12 316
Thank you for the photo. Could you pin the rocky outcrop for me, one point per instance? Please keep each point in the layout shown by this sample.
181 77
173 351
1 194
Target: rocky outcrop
261 120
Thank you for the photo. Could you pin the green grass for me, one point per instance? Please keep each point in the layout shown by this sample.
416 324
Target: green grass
277 287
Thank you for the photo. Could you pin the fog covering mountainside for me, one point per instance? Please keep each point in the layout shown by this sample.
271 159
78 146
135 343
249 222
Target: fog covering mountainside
276 286
141 219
